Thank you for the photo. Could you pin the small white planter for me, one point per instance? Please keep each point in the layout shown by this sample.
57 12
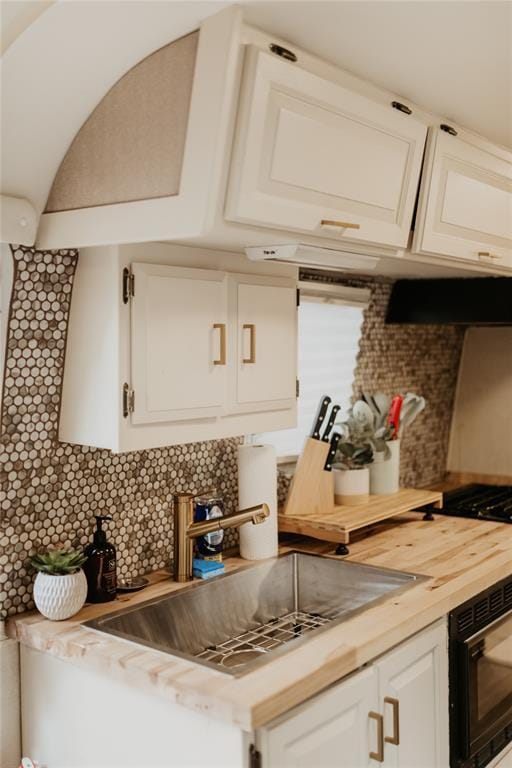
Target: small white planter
385 473
59 597
351 486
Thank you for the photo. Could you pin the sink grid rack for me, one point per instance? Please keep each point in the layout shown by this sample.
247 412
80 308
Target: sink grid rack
240 650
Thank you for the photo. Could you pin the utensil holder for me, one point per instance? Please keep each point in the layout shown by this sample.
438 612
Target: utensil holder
385 473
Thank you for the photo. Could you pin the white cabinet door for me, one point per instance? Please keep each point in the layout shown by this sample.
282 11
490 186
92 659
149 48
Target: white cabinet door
331 731
413 696
179 328
310 151
465 207
263 333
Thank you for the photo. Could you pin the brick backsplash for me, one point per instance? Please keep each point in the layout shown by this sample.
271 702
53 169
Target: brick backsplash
50 491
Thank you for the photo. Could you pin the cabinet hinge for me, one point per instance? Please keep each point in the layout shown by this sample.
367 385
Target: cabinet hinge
128 400
298 297
297 387
128 285
254 757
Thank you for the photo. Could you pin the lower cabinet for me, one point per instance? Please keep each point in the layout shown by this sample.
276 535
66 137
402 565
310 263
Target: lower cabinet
393 713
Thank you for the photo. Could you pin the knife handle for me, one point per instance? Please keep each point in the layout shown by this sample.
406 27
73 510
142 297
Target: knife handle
332 452
320 417
330 423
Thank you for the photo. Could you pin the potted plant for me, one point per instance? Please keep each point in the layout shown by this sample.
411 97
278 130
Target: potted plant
60 587
353 457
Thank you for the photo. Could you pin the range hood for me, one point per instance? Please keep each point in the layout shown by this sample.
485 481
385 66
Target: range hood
312 256
461 301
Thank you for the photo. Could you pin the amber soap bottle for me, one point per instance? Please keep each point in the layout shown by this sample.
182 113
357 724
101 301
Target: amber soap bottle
100 566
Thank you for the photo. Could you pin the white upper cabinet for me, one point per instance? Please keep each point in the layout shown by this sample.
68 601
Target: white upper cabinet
178 343
187 354
465 207
313 156
265 336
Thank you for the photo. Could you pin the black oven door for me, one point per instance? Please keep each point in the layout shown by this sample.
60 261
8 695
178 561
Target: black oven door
486 667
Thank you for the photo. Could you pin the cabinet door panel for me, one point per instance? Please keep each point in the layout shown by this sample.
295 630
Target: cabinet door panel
465 209
175 343
266 353
310 150
331 731
416 676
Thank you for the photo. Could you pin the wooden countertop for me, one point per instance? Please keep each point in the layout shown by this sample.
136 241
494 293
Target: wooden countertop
462 557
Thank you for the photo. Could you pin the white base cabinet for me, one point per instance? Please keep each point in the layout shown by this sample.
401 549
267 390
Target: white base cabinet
332 731
394 713
350 725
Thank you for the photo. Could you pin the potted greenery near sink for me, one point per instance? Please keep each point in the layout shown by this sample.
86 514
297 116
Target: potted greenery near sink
353 457
60 587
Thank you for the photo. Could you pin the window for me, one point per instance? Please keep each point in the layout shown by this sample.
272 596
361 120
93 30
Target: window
330 321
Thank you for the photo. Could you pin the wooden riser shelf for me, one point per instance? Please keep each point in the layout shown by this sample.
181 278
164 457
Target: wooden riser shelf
337 523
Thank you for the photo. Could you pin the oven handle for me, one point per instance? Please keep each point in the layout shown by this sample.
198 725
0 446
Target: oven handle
474 639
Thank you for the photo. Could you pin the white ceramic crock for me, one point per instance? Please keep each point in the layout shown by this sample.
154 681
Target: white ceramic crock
351 486
59 597
385 473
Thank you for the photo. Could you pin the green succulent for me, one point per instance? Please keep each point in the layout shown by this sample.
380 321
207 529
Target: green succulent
59 562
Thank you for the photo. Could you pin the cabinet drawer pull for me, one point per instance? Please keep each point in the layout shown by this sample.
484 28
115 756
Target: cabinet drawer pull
379 754
395 738
252 349
340 224
222 328
487 255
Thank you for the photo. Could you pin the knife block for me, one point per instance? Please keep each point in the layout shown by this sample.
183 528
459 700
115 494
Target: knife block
312 488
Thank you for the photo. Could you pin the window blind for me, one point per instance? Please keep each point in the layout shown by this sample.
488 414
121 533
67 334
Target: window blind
329 333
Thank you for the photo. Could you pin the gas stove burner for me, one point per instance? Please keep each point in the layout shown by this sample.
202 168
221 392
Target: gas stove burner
481 502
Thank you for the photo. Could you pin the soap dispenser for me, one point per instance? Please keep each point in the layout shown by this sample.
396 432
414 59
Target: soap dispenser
100 566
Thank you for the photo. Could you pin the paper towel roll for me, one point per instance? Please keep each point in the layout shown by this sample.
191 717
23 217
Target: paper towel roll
257 484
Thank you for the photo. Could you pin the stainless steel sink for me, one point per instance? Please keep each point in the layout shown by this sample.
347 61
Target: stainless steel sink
247 617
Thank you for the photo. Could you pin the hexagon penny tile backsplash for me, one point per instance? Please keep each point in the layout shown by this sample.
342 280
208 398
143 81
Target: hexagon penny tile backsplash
50 491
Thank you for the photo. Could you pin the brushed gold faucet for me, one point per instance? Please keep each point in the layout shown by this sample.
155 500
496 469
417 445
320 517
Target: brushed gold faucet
185 530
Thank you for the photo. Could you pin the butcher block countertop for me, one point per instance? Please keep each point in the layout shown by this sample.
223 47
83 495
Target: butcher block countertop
462 557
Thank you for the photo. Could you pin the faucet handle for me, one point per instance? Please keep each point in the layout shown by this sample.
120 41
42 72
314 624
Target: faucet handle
261 515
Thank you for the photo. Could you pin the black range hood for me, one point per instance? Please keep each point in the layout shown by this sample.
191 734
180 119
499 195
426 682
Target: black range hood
458 301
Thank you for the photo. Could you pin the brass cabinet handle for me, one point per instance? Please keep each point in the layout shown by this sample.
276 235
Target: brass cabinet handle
379 754
395 738
252 350
222 328
340 224
487 255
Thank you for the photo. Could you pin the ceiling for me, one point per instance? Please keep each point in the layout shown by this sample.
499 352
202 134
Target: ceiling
61 57
452 57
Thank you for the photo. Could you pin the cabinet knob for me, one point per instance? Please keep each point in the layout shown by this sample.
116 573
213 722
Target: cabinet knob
379 754
252 340
222 356
395 738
